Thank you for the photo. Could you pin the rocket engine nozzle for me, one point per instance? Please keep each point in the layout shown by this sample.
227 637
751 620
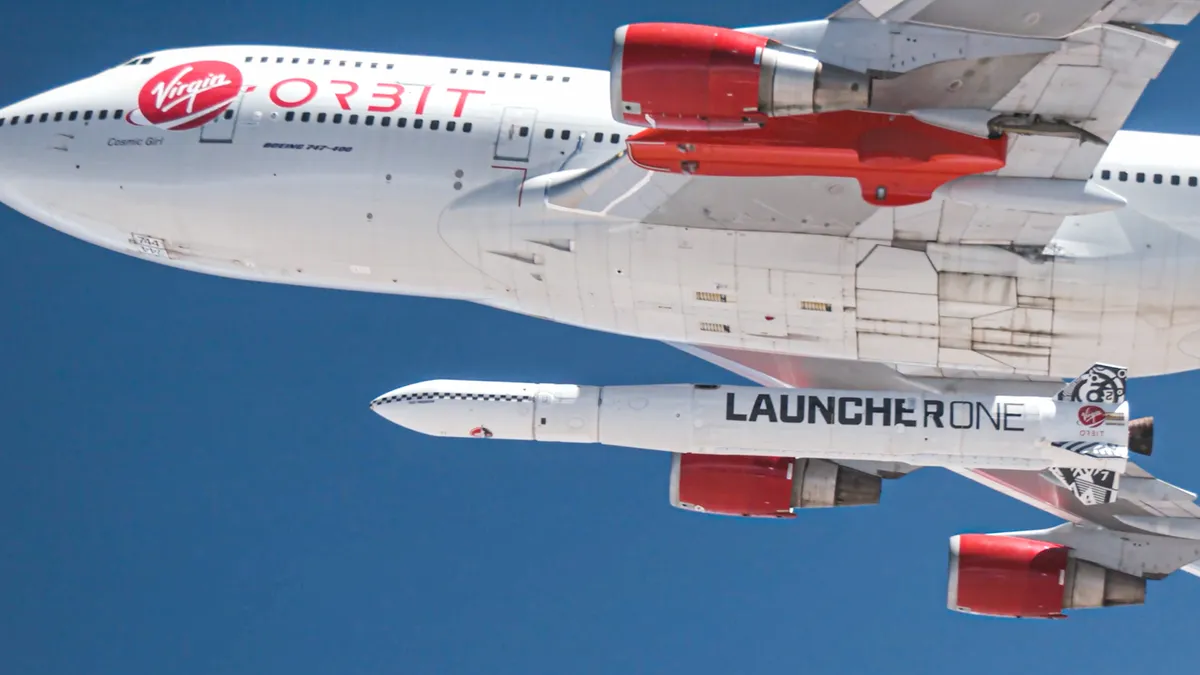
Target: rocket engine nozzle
1141 436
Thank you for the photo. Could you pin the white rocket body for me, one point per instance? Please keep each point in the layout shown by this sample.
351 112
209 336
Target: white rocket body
999 432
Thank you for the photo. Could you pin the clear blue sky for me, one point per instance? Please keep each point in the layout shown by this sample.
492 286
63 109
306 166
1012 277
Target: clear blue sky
191 481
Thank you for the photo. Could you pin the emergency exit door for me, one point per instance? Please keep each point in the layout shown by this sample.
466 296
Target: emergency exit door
221 129
516 134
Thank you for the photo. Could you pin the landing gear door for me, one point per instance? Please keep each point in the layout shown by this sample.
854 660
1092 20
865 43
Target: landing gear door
516 134
221 129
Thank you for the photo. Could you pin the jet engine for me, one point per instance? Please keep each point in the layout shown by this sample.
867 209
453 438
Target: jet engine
766 487
998 575
690 77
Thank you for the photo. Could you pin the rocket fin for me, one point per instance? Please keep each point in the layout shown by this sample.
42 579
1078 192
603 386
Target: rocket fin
1093 449
1102 383
1092 487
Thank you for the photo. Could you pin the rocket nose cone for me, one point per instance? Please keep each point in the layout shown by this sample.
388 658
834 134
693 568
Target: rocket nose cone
380 402
461 408
391 406
427 407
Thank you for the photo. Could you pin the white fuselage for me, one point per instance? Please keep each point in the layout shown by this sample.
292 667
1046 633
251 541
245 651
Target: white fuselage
403 174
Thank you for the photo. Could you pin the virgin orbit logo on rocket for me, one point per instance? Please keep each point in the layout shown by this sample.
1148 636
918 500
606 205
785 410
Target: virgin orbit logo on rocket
188 96
1091 416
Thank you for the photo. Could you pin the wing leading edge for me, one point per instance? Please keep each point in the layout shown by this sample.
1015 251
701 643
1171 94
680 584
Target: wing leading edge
1059 79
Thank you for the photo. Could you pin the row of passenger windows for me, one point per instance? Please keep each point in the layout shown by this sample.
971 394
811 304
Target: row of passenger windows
297 60
565 134
61 116
292 115
368 120
504 73
418 123
1140 177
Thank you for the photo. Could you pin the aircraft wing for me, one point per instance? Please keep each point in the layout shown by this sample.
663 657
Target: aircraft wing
1082 93
1059 77
1053 18
1146 510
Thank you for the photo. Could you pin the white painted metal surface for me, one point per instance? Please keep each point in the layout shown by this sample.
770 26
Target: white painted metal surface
411 175
789 265
1010 432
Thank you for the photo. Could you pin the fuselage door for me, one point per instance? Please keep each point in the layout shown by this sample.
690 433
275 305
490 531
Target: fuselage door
516 134
221 129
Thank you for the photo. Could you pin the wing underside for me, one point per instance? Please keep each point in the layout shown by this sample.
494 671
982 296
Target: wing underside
1058 78
1032 18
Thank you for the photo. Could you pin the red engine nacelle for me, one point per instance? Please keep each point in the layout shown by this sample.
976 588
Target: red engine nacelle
752 486
685 76
1006 576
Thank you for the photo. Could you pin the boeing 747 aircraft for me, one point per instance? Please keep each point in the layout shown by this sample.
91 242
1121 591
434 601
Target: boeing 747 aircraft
927 199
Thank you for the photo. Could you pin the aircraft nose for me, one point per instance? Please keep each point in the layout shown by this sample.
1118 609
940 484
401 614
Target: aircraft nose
6 132
9 151
56 164
36 134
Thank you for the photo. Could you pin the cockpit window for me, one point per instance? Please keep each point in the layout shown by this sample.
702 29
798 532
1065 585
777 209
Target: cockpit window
139 61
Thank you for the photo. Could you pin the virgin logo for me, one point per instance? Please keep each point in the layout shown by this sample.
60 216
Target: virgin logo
190 95
1091 416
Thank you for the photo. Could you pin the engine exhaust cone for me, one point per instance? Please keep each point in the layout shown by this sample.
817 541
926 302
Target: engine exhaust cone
1141 436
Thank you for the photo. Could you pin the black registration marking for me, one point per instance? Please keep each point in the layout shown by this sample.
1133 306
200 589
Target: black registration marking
308 147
